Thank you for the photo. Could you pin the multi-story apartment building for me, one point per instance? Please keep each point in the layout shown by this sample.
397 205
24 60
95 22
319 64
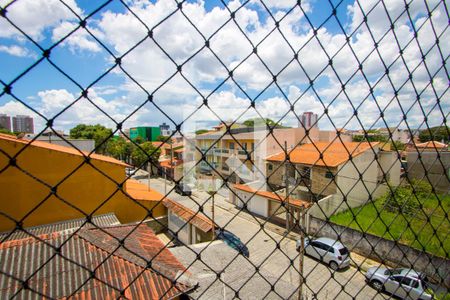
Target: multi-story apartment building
22 123
308 120
5 122
240 153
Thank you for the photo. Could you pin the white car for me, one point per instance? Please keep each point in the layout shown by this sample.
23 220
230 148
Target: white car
403 283
331 252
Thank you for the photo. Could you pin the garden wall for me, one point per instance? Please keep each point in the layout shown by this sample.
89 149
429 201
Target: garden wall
383 250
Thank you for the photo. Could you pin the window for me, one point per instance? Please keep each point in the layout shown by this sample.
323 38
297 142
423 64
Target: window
305 172
231 146
270 167
329 175
244 146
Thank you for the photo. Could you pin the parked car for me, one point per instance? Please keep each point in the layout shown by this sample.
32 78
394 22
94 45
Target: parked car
183 189
233 241
129 171
403 283
329 251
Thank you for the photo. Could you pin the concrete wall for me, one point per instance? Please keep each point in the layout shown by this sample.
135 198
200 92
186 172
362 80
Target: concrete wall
83 145
391 166
330 136
357 191
430 164
180 227
383 250
257 204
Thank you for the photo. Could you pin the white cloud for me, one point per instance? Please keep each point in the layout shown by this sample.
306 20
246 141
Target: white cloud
33 17
16 50
77 41
151 67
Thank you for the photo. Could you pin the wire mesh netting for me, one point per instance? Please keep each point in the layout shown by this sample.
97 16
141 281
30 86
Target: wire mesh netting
308 158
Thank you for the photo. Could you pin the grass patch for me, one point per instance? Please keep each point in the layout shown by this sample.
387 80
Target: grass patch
427 229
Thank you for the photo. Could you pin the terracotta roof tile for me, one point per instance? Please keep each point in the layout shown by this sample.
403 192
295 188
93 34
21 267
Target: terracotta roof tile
432 145
140 191
59 148
333 154
198 219
273 196
116 267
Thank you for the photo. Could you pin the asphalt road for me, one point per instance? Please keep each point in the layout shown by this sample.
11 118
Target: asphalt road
271 253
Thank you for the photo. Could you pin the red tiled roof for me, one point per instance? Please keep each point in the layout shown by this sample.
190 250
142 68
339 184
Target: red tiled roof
59 148
432 145
333 154
199 220
141 191
117 268
102 220
273 196
166 163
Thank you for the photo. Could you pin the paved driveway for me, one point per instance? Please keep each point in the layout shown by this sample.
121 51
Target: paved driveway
274 255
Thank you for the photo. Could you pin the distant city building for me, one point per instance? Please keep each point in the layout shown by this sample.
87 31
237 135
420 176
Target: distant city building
5 122
22 123
308 120
165 129
145 133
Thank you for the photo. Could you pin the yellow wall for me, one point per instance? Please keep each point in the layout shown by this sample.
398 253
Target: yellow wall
86 188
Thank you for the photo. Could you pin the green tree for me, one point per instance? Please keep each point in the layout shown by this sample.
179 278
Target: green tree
370 137
99 133
144 154
201 131
120 148
438 133
398 145
405 199
269 122
6 131
163 138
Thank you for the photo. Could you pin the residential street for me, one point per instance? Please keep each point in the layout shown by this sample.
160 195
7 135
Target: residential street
272 254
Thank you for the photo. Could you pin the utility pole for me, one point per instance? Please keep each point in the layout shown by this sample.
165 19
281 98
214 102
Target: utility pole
149 165
212 208
286 181
302 251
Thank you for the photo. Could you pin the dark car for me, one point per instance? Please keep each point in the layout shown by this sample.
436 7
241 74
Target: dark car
183 189
233 241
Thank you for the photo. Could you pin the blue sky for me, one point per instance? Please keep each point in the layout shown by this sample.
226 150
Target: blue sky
83 59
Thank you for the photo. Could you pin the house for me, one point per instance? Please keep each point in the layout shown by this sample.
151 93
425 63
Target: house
239 153
45 183
356 172
72 260
190 227
266 204
430 161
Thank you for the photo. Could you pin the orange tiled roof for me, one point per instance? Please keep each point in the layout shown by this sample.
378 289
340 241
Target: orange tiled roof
333 154
432 145
273 196
141 192
59 148
121 268
166 163
197 219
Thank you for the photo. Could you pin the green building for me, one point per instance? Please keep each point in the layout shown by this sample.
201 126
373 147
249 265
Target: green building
145 133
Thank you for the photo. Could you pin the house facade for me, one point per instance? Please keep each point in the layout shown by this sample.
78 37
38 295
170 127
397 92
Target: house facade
240 154
352 171
44 183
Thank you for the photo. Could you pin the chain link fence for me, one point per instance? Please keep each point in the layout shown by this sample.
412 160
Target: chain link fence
263 205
